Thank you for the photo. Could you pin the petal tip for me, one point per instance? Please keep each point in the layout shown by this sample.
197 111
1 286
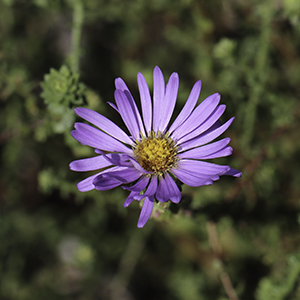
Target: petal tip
73 133
140 225
233 172
77 110
71 165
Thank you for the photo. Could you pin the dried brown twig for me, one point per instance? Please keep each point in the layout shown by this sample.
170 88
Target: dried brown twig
218 253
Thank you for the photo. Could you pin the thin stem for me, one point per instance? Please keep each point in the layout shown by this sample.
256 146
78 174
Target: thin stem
130 258
217 251
78 16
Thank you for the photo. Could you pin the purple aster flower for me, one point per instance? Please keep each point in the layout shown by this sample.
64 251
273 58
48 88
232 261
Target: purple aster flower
148 160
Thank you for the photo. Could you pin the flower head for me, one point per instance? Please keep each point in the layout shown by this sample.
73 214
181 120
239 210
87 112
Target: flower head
148 160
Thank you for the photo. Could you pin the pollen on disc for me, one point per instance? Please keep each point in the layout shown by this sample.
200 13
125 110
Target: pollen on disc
156 153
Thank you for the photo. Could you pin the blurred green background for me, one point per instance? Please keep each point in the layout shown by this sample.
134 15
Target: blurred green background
236 239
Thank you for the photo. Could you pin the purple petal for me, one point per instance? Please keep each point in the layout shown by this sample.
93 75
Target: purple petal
139 186
206 137
136 189
150 191
146 211
233 172
88 135
103 123
110 179
126 175
174 192
130 198
89 164
162 193
190 178
136 112
127 113
201 168
188 107
198 116
226 151
158 96
122 174
104 182
146 102
121 85
168 190
138 166
169 101
117 159
113 106
200 152
209 122
87 184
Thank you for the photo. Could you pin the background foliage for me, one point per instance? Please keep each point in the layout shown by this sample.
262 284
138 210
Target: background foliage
237 239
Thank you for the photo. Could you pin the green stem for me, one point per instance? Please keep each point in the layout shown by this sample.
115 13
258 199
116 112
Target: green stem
128 262
78 16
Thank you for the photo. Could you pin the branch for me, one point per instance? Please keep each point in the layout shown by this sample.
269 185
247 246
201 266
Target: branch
218 253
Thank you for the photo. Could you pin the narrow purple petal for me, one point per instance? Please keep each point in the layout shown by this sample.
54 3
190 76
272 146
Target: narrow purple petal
188 107
233 172
197 173
104 182
130 198
113 106
226 151
201 168
136 189
158 96
138 166
117 159
206 137
126 175
200 152
169 101
168 190
87 184
162 193
146 211
88 135
121 174
104 124
190 179
127 113
110 179
146 102
121 85
139 186
209 122
174 192
136 112
150 191
89 164
198 116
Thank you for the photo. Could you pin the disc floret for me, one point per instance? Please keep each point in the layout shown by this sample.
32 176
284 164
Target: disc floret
156 153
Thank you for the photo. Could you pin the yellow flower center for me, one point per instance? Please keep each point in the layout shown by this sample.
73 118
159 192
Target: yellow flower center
156 153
